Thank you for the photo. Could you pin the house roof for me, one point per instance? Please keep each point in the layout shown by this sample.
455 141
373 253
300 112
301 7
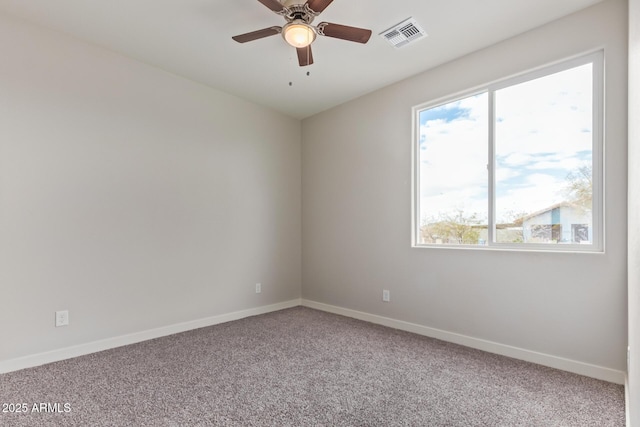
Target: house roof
545 210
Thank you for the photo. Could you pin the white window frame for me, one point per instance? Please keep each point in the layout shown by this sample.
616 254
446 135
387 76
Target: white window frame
597 61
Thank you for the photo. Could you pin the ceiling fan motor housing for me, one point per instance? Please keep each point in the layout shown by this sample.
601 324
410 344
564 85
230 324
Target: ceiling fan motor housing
297 10
289 3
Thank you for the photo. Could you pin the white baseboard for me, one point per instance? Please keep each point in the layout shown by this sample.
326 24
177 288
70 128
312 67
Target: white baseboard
119 341
574 366
581 368
627 401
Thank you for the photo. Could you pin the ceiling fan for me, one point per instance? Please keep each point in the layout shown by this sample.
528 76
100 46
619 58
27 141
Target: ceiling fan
299 32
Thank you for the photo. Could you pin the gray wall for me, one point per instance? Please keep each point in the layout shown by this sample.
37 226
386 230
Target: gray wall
634 210
356 162
134 198
137 199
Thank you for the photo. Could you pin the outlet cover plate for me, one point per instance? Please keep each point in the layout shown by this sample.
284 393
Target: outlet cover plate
386 296
62 318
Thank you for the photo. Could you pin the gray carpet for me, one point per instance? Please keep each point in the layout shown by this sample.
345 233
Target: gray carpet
302 367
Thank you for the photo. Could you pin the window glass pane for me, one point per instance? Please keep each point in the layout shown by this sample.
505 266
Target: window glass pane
543 159
453 185
544 151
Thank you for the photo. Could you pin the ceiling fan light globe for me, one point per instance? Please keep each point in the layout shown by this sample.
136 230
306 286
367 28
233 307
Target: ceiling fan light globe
298 34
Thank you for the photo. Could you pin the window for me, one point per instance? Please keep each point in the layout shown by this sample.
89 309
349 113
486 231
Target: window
516 164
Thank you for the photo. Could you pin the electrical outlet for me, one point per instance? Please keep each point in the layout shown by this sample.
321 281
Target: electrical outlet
258 288
386 296
62 318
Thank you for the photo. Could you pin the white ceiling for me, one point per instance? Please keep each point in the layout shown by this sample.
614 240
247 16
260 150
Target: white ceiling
192 38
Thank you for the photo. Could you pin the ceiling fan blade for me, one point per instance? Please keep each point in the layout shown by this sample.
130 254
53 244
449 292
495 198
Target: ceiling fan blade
255 35
318 5
344 32
274 5
305 57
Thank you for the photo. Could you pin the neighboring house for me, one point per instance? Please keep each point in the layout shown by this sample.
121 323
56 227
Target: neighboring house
560 223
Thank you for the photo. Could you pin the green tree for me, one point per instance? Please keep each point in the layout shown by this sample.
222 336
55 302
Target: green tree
579 187
457 228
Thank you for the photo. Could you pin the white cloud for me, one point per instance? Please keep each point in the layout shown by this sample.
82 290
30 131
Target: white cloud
548 115
518 159
567 163
454 159
506 174
536 192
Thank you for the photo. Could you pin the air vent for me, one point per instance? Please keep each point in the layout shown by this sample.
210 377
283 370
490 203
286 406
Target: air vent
404 33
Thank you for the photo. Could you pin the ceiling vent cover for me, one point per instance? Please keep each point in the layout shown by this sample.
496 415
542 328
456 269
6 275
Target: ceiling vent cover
404 33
